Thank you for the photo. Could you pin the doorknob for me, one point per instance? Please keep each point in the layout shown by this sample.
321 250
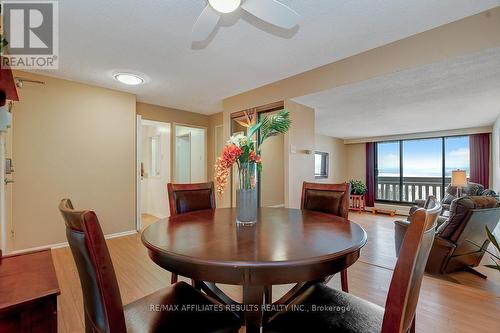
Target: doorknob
8 181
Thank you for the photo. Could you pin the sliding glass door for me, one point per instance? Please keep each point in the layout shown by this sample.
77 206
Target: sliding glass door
408 170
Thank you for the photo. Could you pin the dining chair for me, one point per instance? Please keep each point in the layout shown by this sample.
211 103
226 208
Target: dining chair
103 308
185 198
330 199
355 315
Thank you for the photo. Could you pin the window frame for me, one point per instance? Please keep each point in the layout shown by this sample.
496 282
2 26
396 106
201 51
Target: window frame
325 162
401 178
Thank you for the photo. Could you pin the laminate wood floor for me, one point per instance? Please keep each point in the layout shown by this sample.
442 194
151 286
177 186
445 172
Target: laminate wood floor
463 303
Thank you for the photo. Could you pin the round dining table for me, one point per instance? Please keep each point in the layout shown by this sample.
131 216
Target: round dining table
284 246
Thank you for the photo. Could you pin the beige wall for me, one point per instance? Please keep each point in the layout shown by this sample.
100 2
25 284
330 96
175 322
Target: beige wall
299 166
170 115
213 121
471 34
356 161
73 141
337 158
272 187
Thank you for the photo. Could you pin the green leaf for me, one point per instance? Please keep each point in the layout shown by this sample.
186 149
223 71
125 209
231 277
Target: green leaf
492 238
275 124
497 267
253 129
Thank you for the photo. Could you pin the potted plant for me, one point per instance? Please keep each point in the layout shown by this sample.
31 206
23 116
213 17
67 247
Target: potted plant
494 258
244 151
358 187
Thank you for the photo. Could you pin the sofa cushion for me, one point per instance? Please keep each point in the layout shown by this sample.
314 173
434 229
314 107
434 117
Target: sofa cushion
472 189
459 211
330 202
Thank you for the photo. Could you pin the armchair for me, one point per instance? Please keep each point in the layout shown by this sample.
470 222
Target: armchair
453 248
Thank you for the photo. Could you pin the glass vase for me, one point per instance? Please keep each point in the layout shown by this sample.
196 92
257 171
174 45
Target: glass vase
246 193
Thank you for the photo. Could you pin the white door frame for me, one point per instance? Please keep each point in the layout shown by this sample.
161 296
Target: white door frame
138 155
3 215
138 159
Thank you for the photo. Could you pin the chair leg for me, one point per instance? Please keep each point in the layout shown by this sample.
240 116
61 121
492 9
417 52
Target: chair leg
343 281
473 271
174 278
268 295
412 327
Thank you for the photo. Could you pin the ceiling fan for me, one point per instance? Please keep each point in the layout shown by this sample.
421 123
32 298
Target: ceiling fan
271 11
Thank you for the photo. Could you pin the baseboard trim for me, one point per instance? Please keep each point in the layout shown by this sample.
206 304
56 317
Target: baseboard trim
65 244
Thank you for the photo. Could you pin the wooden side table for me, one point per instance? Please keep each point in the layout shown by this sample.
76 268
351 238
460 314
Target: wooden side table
357 202
28 293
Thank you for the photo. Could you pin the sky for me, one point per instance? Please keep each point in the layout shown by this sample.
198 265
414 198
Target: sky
423 158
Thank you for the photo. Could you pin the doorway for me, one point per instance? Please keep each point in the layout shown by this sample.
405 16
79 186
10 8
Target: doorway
190 164
154 144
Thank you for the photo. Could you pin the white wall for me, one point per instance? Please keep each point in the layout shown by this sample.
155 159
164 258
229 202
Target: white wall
198 156
198 152
495 155
495 162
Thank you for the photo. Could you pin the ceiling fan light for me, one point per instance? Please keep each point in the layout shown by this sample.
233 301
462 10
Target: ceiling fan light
225 6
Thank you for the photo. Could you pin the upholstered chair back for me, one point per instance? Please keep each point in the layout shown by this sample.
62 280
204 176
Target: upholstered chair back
407 278
185 198
101 296
326 198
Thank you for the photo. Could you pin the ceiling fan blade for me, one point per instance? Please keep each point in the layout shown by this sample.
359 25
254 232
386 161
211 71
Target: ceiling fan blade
273 12
205 24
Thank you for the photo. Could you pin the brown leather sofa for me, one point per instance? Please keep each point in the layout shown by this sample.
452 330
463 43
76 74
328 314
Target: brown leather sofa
454 245
451 193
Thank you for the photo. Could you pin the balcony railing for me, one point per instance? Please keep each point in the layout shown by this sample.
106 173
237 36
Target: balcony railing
413 188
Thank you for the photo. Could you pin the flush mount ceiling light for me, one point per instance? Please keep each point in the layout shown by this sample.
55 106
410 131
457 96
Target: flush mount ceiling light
129 79
225 6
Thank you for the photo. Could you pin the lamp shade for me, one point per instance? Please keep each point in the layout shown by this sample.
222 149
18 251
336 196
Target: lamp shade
458 178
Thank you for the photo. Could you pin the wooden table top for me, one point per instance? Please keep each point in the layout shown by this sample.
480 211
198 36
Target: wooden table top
26 277
281 237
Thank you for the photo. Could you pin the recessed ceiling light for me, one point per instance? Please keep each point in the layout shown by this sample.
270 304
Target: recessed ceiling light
130 79
225 6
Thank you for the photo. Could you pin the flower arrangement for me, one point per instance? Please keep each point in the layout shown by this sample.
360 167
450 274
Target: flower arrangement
243 150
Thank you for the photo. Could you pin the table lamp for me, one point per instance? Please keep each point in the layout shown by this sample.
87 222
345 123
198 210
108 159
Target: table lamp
459 180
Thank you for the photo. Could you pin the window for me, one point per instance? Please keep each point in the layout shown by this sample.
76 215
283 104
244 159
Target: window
408 170
320 165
